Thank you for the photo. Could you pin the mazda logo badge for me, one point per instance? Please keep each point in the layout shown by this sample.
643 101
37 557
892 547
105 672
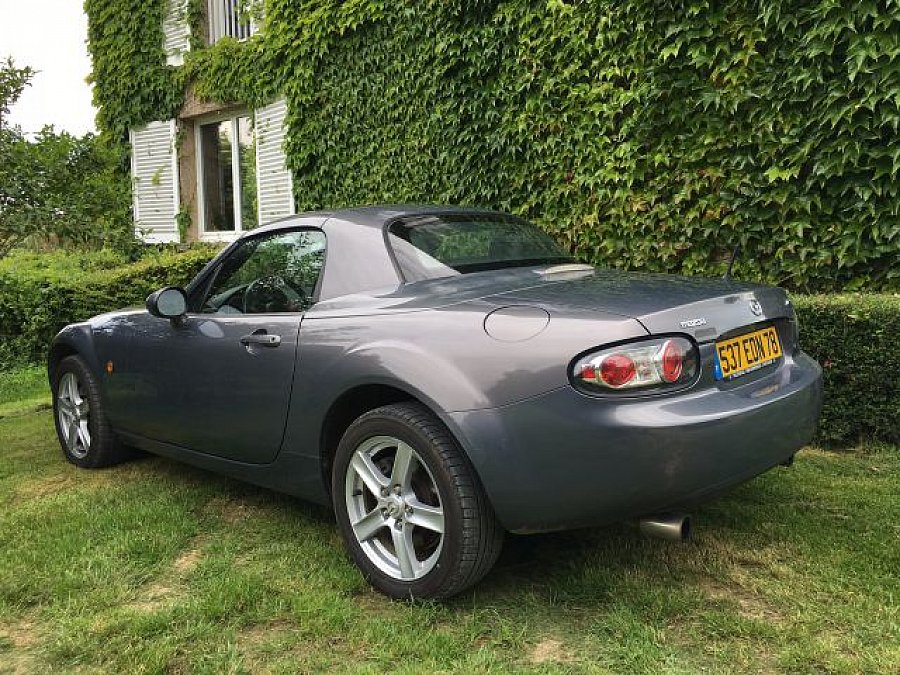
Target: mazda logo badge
755 307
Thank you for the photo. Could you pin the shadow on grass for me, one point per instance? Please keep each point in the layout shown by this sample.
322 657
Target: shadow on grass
823 511
750 515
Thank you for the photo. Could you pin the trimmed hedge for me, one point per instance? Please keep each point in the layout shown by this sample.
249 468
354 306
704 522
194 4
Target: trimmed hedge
855 338
41 293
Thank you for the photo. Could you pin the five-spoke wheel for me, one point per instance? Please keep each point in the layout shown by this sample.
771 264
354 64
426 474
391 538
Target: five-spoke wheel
84 433
73 413
394 507
411 510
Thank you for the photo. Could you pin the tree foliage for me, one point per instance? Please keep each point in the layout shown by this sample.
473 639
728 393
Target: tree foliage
57 186
12 83
648 134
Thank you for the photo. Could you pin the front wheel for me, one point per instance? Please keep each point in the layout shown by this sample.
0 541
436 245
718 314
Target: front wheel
410 508
84 433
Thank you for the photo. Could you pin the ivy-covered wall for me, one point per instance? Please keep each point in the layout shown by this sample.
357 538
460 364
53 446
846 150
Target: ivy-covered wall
646 134
132 83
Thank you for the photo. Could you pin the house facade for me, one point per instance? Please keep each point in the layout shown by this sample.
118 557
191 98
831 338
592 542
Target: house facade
215 170
646 137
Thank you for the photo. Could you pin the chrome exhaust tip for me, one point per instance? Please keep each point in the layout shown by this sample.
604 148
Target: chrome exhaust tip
670 526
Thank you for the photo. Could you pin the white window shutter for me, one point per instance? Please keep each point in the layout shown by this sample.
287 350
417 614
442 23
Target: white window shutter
274 184
176 31
154 176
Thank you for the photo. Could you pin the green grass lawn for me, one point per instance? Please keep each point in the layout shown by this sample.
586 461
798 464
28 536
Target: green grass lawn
156 567
23 390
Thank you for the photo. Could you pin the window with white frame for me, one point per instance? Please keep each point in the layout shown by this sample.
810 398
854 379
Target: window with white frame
228 18
226 177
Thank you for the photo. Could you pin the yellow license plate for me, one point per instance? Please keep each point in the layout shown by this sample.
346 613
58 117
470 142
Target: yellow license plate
744 353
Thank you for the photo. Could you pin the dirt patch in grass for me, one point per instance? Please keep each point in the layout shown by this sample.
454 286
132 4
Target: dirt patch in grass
21 635
48 485
549 650
187 561
16 642
263 632
70 479
172 583
374 604
18 664
280 646
153 598
232 510
750 606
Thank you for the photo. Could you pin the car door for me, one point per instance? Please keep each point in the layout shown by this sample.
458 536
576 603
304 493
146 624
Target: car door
220 381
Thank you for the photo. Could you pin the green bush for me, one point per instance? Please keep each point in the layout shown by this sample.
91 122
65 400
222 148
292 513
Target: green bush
41 293
855 338
55 187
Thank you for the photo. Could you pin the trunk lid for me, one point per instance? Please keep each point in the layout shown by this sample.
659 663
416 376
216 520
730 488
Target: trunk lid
701 307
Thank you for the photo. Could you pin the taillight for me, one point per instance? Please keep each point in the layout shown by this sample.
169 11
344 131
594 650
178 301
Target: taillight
652 364
672 361
617 370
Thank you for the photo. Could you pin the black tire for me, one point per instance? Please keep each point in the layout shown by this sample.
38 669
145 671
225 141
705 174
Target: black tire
471 538
104 448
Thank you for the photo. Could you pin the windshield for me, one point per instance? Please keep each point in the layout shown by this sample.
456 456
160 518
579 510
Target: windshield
431 247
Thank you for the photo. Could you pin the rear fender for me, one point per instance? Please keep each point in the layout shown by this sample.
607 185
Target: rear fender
412 368
320 383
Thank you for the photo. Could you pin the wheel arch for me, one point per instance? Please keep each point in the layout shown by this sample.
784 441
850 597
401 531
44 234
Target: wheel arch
73 340
360 399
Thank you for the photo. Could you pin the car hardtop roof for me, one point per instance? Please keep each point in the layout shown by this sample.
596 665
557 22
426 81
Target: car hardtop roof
359 259
369 216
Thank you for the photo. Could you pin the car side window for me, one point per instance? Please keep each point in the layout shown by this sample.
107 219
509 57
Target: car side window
268 274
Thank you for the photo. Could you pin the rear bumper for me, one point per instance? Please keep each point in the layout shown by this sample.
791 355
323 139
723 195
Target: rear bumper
565 460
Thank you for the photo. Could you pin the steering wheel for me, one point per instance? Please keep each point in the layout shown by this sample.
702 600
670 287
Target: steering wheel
272 294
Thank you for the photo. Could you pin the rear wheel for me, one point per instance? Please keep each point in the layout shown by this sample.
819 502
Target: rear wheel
86 438
410 508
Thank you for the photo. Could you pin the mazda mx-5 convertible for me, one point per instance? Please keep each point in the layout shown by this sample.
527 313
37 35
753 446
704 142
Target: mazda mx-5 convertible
440 376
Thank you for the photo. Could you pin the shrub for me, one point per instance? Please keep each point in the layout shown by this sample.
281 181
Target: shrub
41 293
855 338
60 188
56 186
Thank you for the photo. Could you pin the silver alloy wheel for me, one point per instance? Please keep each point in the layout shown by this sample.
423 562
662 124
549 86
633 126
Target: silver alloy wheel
394 508
73 412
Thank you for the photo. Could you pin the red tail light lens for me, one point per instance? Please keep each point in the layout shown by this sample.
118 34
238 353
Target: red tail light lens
617 370
671 360
652 364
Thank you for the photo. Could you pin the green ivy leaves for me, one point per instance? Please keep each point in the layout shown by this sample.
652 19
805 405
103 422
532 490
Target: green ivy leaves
647 135
132 83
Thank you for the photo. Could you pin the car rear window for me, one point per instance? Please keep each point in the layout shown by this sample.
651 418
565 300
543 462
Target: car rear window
435 246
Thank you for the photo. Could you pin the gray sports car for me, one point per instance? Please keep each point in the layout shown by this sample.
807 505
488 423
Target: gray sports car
440 376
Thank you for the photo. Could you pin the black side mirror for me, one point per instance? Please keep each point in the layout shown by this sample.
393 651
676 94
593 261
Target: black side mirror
168 303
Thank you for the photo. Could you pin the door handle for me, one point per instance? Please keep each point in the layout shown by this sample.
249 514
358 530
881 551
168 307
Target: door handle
261 338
